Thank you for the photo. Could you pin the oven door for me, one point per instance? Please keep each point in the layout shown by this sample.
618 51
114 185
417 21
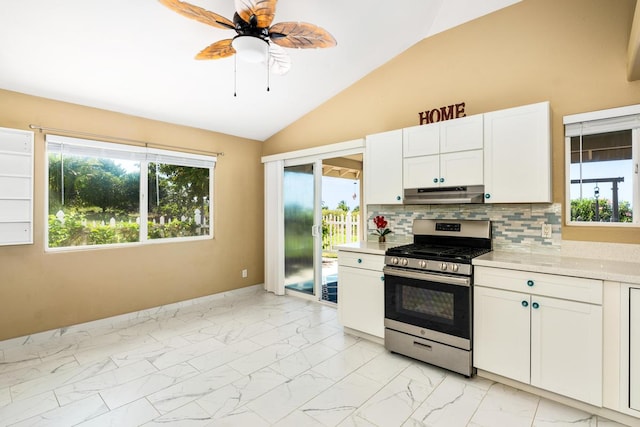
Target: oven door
434 306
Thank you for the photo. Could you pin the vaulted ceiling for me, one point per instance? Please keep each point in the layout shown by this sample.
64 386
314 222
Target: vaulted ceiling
137 56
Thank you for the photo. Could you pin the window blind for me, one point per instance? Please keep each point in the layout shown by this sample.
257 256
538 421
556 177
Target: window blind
91 148
180 159
604 121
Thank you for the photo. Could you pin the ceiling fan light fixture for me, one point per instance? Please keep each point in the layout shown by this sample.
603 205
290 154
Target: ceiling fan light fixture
251 48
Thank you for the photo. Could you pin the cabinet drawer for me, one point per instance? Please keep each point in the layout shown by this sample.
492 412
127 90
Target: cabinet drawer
360 260
565 287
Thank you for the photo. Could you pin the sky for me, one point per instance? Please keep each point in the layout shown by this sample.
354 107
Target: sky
612 169
336 189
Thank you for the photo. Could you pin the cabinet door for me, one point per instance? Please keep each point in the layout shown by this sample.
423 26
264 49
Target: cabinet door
422 172
421 140
501 333
566 348
517 155
461 134
383 168
463 168
634 348
361 296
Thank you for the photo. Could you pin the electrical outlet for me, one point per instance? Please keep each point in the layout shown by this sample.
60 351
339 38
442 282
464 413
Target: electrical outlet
245 273
546 231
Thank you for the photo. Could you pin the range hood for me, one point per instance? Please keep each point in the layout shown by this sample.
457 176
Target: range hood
444 195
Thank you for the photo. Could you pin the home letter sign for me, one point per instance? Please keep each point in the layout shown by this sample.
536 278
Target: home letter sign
448 112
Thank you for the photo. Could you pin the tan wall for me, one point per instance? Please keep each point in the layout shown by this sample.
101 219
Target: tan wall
572 53
41 291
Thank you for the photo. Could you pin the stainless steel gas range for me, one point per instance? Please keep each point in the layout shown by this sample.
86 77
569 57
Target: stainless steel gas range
429 294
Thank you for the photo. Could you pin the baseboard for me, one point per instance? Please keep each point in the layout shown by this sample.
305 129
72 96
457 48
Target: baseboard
364 335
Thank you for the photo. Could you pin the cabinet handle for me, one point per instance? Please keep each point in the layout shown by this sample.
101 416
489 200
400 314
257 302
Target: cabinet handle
535 305
487 196
441 179
359 261
382 278
435 180
525 304
530 283
398 198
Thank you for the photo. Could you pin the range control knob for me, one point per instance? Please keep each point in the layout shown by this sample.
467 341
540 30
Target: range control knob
423 264
443 267
405 262
394 260
454 268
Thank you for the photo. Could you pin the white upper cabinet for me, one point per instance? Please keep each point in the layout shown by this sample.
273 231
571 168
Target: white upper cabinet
461 134
383 168
507 151
422 171
421 140
517 155
444 154
461 168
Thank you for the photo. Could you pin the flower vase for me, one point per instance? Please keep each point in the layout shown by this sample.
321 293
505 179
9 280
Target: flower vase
382 239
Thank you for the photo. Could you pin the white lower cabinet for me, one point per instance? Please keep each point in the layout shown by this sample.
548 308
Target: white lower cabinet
501 333
634 348
361 292
566 348
550 343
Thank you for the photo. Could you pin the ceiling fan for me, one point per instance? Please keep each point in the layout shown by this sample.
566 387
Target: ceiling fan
256 40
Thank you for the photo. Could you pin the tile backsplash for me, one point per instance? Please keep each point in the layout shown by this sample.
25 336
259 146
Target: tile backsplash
515 227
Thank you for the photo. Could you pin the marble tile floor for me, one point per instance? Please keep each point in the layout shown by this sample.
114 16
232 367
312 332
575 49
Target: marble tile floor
246 358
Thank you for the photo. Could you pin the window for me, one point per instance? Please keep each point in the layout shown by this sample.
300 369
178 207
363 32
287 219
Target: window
104 194
602 167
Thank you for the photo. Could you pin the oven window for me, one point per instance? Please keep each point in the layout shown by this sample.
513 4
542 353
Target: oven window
427 304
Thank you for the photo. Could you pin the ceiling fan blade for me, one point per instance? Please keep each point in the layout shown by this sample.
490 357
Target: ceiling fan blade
279 60
301 35
199 14
257 12
219 49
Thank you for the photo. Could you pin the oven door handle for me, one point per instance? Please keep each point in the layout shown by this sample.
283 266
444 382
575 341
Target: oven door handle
419 275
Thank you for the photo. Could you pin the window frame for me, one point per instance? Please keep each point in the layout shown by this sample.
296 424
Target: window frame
599 122
144 155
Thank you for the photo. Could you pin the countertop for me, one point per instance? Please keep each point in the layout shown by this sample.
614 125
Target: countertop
602 269
371 247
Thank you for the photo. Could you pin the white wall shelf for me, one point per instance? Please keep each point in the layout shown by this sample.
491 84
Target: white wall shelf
16 187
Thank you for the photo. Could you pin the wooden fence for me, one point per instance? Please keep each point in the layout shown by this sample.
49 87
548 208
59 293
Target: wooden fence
339 229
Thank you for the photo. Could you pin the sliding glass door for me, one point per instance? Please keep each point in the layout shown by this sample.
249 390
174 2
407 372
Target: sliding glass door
300 228
300 249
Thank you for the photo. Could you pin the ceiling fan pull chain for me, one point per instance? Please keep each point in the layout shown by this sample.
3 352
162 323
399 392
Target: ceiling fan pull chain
235 76
268 67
